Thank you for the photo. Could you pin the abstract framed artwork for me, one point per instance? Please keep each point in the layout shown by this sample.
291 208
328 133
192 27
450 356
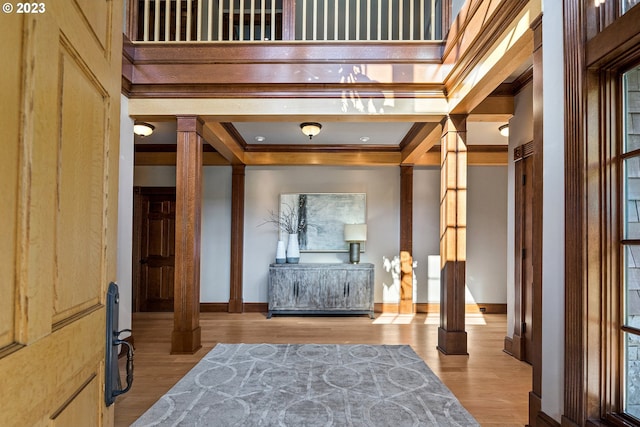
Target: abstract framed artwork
325 215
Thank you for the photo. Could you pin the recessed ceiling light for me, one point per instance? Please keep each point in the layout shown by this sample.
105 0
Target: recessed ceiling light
260 138
364 138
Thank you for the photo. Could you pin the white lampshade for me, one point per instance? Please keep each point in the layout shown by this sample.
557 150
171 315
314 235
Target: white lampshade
355 232
310 129
143 129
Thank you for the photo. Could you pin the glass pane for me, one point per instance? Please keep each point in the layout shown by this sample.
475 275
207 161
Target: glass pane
628 4
632 286
631 172
632 377
631 96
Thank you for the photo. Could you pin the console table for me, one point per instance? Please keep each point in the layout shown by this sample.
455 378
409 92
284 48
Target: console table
321 289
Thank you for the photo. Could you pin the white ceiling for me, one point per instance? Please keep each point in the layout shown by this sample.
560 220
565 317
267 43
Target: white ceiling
333 133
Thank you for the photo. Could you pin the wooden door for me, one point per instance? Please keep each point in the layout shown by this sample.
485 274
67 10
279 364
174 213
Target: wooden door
59 125
523 328
154 251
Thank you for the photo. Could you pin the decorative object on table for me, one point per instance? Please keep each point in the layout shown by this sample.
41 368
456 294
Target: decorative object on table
325 215
289 221
355 234
281 254
309 385
293 249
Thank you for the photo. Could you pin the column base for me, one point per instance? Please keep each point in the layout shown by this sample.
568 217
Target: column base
185 342
452 342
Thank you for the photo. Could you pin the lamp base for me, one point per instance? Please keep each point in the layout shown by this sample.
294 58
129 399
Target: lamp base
354 252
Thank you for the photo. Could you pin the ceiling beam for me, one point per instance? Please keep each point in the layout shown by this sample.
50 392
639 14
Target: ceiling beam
493 109
499 57
366 158
426 135
224 142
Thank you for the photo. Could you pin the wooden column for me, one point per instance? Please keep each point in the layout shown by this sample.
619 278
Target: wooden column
406 239
186 315
237 238
452 338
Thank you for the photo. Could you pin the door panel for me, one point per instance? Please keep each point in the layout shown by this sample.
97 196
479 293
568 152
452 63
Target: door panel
58 181
155 258
10 85
79 201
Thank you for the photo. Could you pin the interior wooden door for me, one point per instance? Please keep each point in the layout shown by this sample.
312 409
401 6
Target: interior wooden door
154 254
59 125
523 328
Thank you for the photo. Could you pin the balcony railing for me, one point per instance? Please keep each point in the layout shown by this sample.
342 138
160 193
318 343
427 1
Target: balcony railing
269 20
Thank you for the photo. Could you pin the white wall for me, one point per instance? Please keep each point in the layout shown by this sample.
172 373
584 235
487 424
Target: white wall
263 188
553 232
125 216
486 200
486 234
215 264
426 233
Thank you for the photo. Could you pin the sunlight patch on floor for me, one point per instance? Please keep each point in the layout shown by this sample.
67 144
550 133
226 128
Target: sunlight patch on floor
469 319
394 319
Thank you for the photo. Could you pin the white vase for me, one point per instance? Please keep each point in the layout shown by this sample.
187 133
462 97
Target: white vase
281 255
293 250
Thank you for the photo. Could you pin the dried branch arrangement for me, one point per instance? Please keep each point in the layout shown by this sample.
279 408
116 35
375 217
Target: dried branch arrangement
287 220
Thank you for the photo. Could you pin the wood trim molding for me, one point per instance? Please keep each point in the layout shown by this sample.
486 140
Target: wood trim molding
544 420
214 307
537 209
575 278
256 307
508 345
615 43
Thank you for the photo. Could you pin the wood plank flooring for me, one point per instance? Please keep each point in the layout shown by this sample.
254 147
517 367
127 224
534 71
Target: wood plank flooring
492 385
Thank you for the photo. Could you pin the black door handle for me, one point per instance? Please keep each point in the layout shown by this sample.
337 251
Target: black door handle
144 260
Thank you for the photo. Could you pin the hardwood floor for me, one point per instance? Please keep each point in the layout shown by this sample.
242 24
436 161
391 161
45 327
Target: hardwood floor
492 385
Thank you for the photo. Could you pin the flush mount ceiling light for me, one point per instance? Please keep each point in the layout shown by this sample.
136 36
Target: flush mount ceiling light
310 129
504 130
143 129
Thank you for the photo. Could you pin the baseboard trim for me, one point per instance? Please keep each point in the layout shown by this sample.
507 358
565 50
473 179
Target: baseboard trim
379 307
214 307
535 406
430 307
255 307
508 346
223 307
544 420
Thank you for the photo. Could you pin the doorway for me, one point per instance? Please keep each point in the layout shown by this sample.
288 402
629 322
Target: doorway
154 213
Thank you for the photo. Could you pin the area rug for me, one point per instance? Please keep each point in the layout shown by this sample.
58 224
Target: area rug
308 385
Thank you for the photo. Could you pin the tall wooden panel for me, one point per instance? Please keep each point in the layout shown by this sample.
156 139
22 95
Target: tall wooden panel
61 78
186 311
452 338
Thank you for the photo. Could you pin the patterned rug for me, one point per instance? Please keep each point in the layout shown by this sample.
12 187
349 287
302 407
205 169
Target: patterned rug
308 385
